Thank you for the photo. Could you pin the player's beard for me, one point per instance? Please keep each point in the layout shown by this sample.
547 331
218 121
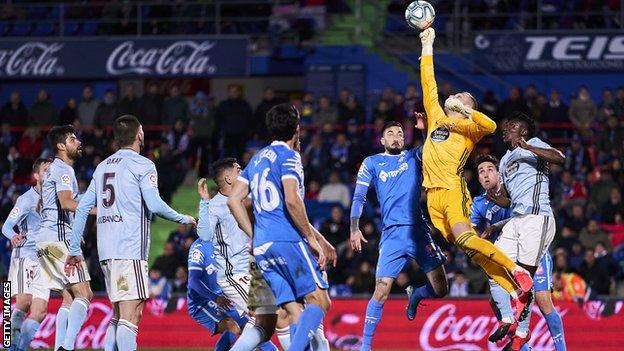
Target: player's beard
76 154
394 150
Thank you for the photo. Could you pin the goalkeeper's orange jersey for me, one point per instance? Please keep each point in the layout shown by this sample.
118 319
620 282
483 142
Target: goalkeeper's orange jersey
449 140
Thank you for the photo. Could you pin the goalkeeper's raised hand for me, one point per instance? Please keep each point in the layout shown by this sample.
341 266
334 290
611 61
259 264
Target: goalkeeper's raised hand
455 105
427 37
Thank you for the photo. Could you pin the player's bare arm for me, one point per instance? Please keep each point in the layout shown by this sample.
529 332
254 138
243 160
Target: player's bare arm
550 155
499 196
237 207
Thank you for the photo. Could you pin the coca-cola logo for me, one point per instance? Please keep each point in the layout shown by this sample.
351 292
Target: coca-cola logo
185 57
444 330
31 59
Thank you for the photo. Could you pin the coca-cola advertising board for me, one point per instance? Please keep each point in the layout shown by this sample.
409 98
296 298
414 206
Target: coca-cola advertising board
108 58
441 325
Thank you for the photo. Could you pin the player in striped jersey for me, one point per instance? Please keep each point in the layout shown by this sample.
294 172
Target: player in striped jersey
125 190
59 193
31 294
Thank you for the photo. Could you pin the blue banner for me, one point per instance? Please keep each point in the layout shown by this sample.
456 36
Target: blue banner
110 58
558 52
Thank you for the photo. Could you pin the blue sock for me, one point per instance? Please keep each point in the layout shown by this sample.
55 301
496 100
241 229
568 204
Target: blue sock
373 316
555 325
268 346
502 299
308 323
424 292
225 341
251 337
61 326
29 329
110 342
126 336
17 318
77 315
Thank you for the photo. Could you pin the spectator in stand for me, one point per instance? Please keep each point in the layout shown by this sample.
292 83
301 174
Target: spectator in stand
159 286
308 106
606 109
21 168
515 102
530 98
596 277
268 101
478 282
175 107
167 166
459 285
178 236
387 95
335 191
576 256
539 109
30 145
107 111
168 262
151 106
490 103
7 189
335 229
43 111
613 208
577 159
398 110
576 220
180 280
353 112
556 111
233 115
446 90
129 103
315 156
382 111
606 260
87 106
312 190
14 112
363 282
412 99
611 141
325 113
6 138
583 111
567 239
343 99
618 104
203 124
591 235
601 191
340 155
69 112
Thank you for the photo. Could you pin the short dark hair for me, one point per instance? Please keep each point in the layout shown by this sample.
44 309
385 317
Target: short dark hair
125 129
282 121
58 134
38 162
528 121
219 166
486 158
390 125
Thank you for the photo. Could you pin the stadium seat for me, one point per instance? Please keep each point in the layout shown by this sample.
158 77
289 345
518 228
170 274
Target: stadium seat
4 29
71 28
54 12
89 28
21 29
43 29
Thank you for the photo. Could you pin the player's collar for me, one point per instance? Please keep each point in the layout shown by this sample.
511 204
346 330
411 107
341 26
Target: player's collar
399 154
279 142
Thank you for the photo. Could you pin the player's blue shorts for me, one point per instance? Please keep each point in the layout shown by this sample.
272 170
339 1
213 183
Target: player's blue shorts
209 317
402 242
290 269
542 279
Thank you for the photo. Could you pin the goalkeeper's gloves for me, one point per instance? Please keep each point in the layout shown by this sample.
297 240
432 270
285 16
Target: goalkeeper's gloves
455 105
426 38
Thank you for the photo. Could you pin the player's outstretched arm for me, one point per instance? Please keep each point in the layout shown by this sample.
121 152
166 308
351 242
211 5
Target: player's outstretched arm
87 202
427 78
546 153
156 205
205 230
240 189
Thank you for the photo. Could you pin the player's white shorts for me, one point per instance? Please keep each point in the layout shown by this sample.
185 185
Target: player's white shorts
126 280
261 298
52 256
26 278
526 238
236 289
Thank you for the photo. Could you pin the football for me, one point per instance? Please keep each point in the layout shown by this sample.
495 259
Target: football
419 15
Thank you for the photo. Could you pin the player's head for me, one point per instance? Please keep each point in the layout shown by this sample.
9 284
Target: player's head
64 141
518 125
282 122
487 169
466 98
127 131
40 166
392 138
225 171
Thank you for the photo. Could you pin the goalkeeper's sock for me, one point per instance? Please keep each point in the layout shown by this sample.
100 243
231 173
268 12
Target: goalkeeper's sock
126 336
470 241
503 303
500 275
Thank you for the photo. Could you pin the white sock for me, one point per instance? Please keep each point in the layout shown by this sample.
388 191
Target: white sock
251 337
17 318
75 320
126 336
319 342
110 341
29 329
283 335
61 326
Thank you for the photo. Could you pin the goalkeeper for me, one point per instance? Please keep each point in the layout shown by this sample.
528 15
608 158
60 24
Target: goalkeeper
452 133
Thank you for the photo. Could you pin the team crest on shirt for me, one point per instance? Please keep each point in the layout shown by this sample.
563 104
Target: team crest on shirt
511 168
210 269
15 212
196 256
65 179
153 180
440 134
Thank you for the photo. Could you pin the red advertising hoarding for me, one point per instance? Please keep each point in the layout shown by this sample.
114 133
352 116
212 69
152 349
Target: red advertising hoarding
441 325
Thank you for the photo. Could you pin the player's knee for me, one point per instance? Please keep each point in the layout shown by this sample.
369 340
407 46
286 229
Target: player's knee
440 288
38 311
544 302
382 291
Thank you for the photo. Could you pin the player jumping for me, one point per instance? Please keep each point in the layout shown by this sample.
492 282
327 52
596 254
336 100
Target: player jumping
531 229
396 175
452 133
283 241
27 283
125 190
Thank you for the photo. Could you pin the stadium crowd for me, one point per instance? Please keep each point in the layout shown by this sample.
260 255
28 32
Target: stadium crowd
187 134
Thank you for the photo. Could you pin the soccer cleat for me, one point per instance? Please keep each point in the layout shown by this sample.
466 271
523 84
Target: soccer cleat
413 303
500 332
523 278
62 349
517 342
523 305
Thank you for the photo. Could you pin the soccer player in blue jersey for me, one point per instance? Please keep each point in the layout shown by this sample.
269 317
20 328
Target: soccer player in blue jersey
396 175
531 229
125 190
284 245
27 283
59 194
